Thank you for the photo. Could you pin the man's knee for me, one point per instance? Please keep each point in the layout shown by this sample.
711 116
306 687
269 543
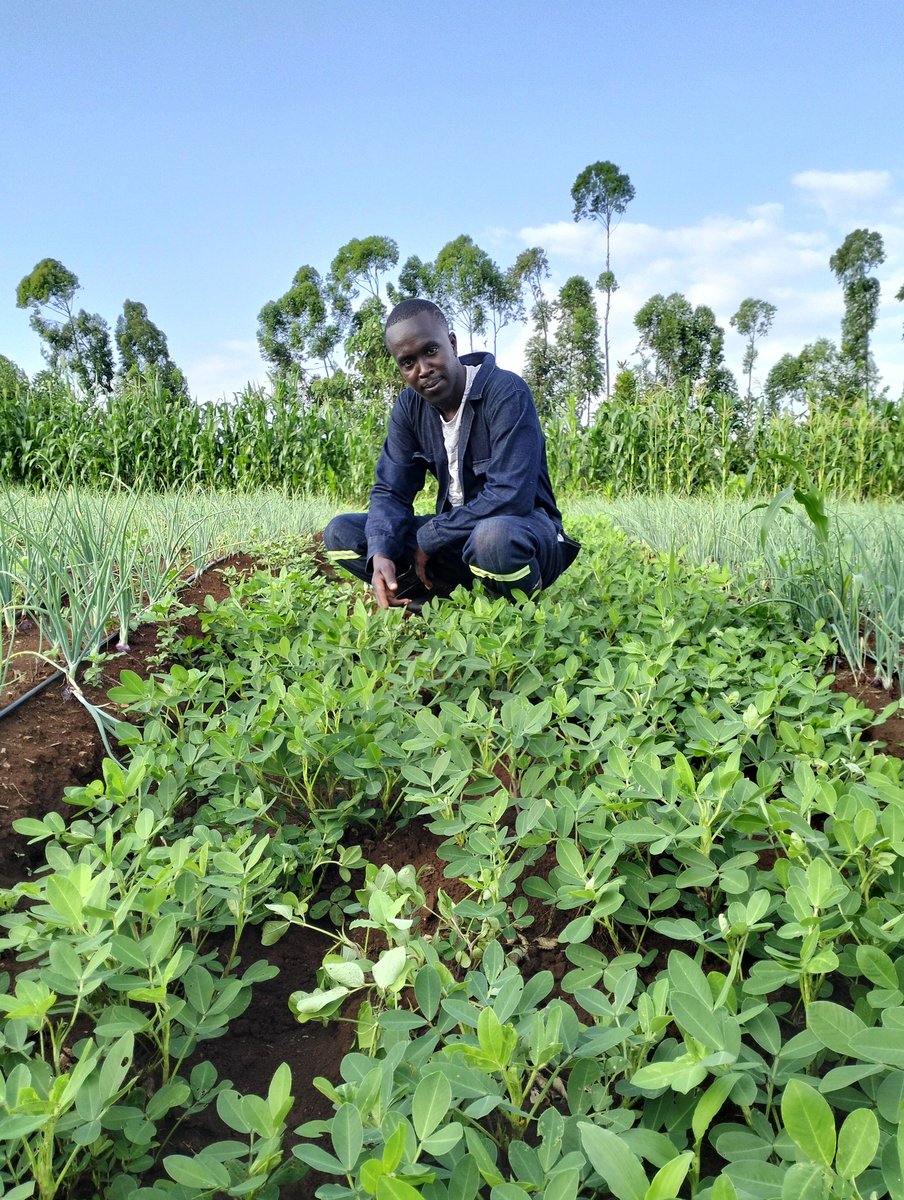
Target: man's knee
344 532
490 543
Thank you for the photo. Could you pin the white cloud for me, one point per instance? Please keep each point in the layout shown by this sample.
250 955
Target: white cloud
858 185
845 197
770 253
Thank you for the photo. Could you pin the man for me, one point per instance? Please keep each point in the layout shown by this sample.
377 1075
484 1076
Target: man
475 427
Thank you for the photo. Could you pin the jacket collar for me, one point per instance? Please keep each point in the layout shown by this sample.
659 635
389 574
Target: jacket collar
487 364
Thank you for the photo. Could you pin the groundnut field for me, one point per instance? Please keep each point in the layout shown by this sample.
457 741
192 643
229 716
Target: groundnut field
595 894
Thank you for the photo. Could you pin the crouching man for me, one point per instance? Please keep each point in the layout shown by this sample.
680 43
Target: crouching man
474 427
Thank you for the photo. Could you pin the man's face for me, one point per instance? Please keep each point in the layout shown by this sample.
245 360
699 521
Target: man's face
426 354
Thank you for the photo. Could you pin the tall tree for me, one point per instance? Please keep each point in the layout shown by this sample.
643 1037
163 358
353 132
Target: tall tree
686 343
78 341
376 376
359 264
602 192
142 346
860 253
541 366
577 344
300 326
461 276
12 378
753 320
819 377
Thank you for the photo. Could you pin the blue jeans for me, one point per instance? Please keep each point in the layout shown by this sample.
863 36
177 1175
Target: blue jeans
507 554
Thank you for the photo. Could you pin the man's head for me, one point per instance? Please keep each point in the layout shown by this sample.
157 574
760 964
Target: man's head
425 351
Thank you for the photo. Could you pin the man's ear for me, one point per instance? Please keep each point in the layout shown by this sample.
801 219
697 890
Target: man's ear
454 341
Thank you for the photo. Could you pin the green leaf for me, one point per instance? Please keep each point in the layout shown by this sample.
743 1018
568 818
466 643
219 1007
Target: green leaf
428 990
877 967
347 1134
668 1179
680 1074
394 1148
563 1185
806 1181
348 974
578 930
390 1188
879 1045
858 1141
696 1019
465 1179
724 1189
389 968
809 1120
65 897
834 1025
202 1171
318 1158
443 1140
431 1101
610 1158
685 975
710 1104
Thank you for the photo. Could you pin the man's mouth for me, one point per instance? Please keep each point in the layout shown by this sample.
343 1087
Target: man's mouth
432 385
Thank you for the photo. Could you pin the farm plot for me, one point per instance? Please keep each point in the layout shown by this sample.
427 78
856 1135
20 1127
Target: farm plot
604 891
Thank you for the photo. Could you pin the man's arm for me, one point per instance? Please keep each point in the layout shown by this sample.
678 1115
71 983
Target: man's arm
400 474
516 453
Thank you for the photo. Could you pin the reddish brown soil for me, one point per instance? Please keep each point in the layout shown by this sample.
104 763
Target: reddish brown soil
50 742
889 735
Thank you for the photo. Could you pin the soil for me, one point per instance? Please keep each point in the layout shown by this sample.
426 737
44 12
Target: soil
50 742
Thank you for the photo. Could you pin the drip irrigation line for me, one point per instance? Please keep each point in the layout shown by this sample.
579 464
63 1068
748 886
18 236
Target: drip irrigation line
58 676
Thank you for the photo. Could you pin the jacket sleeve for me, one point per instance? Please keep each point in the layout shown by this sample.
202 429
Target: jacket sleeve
516 452
400 474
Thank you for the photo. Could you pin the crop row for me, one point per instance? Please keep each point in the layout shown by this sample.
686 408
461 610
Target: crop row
665 441
656 770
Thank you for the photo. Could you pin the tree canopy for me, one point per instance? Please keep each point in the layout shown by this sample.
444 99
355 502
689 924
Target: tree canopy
77 341
602 192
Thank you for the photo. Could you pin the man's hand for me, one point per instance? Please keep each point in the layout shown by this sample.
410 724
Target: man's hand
420 568
384 583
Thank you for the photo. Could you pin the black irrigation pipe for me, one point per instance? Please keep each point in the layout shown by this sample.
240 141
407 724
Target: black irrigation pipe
57 676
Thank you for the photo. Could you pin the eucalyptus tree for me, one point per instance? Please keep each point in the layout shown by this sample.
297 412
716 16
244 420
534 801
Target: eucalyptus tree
859 254
301 326
360 263
602 192
577 344
77 341
12 378
686 343
466 284
541 364
753 320
142 346
819 377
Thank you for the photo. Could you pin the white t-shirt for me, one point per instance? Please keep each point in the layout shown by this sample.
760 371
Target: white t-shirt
451 431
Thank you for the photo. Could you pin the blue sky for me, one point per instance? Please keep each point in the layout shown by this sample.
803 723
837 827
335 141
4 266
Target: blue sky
193 155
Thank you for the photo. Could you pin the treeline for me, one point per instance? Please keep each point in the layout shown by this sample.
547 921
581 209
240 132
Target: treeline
655 440
327 329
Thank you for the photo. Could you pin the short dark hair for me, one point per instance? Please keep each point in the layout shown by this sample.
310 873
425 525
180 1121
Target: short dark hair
411 308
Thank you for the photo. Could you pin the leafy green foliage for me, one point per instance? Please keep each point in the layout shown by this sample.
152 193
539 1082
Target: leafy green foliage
637 770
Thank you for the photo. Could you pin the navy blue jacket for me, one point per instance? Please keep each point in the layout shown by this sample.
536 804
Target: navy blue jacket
502 464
